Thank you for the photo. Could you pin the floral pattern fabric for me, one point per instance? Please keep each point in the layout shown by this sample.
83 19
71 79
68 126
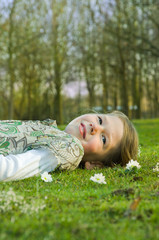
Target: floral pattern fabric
20 136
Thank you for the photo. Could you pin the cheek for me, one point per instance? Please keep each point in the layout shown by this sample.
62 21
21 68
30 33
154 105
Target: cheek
90 147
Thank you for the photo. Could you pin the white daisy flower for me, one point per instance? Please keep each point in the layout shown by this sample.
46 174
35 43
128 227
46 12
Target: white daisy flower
98 178
46 177
156 169
132 164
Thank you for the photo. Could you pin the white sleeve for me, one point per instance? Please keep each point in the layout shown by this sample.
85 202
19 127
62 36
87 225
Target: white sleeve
28 164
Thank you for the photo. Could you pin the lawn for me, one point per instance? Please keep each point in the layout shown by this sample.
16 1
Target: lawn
73 207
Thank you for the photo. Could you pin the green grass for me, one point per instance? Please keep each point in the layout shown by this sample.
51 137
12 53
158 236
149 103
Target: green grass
73 207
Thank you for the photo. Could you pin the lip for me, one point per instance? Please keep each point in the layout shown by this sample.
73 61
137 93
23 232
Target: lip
82 129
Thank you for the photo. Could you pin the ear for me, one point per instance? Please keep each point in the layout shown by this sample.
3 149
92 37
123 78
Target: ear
93 165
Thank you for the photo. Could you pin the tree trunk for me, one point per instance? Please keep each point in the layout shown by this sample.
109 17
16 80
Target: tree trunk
104 85
58 113
122 67
10 62
90 87
58 97
156 96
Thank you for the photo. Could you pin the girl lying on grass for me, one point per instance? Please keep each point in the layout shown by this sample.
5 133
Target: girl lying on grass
28 148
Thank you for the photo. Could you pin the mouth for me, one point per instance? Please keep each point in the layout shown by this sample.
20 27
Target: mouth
82 129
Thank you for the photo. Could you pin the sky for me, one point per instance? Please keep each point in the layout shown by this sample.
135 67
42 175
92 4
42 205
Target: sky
72 89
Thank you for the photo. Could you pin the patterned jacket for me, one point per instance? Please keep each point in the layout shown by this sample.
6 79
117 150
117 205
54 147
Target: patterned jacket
20 136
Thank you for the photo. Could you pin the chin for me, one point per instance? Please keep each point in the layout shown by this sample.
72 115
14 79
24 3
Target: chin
71 130
68 129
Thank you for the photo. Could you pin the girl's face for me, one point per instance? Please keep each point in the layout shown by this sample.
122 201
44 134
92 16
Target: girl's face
98 133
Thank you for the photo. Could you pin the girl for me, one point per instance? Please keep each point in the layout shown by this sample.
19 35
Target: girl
95 140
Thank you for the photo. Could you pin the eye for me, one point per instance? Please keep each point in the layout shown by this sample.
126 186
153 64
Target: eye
104 140
100 120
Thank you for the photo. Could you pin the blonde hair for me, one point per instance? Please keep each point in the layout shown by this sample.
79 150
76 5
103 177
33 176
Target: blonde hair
128 147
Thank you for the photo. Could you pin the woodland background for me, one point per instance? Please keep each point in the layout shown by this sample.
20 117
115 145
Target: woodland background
110 46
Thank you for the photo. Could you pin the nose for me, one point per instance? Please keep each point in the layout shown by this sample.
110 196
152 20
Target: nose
94 128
